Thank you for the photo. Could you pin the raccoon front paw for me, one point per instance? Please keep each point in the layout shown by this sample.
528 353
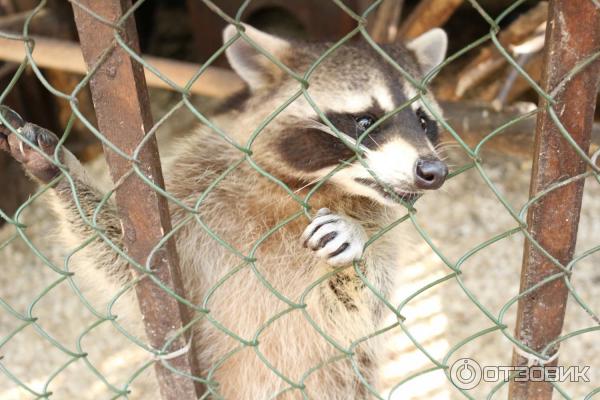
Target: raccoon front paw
31 159
335 238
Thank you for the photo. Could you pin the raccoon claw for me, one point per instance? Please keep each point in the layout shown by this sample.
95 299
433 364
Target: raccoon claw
14 120
335 238
11 117
31 159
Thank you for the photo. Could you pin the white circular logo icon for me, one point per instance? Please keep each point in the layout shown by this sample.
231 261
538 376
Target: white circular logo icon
465 373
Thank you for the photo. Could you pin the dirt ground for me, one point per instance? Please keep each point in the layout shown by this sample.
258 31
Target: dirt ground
459 217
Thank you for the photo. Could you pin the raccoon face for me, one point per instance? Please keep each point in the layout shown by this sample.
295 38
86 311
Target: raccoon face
364 97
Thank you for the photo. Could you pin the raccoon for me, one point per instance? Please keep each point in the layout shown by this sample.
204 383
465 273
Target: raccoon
294 318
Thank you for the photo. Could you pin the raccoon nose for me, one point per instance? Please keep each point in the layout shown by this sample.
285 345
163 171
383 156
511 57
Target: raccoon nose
430 174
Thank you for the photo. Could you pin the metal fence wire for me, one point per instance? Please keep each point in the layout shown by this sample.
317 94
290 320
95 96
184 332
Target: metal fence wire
29 317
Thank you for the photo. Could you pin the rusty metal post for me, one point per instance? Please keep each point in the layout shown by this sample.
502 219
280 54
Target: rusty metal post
573 34
122 106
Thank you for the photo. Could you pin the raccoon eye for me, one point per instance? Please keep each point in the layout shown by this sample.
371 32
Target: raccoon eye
429 126
423 119
364 122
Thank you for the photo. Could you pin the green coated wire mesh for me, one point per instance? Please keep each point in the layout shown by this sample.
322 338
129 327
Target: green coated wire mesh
27 314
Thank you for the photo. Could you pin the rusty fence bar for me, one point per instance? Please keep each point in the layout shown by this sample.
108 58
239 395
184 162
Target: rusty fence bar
573 35
121 102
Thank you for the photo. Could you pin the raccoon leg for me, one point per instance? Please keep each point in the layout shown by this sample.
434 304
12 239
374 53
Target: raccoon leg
337 239
44 171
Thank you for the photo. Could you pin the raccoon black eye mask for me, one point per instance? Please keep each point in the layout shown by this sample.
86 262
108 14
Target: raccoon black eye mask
352 126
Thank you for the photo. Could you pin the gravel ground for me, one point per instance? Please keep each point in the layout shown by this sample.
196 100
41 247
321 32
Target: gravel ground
457 218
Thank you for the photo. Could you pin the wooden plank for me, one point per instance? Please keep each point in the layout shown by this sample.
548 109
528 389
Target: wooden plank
66 56
428 14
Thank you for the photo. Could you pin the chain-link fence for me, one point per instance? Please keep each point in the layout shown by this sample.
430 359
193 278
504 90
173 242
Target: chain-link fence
132 231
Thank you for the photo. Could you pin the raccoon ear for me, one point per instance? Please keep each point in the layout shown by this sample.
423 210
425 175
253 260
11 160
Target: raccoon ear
430 48
250 64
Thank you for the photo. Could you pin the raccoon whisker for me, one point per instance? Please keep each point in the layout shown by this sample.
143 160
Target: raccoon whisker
452 141
316 180
444 156
446 145
447 149
449 164
374 141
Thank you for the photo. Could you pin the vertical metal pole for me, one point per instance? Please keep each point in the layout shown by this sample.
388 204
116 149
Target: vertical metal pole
573 34
122 106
